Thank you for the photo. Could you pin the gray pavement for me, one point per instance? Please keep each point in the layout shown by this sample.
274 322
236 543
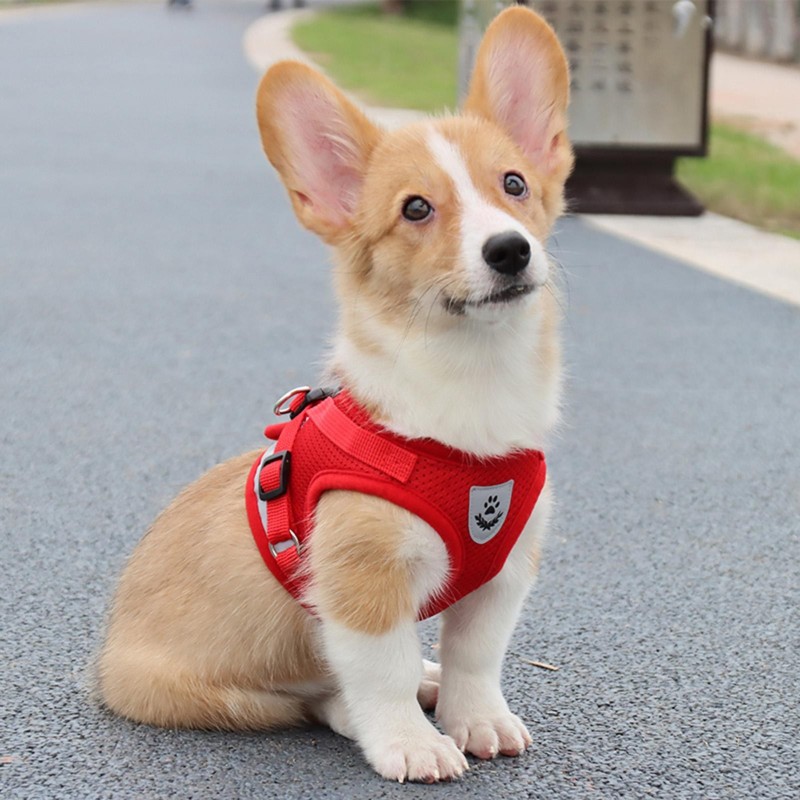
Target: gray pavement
156 294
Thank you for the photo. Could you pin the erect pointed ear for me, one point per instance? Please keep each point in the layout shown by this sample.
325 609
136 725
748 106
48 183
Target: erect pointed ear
318 141
521 82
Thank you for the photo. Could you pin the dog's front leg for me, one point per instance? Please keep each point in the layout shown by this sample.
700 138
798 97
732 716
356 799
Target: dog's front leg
471 707
475 634
372 566
379 676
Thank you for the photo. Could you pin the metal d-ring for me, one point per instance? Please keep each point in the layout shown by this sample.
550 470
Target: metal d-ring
283 406
297 546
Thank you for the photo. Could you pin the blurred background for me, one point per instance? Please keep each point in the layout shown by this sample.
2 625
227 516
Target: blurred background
677 105
645 83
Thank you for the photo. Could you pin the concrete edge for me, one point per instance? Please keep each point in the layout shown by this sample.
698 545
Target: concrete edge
764 262
268 40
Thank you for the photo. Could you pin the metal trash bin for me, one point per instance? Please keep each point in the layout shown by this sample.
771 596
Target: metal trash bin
639 72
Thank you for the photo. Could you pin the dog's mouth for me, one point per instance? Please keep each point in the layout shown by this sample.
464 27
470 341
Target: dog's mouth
458 306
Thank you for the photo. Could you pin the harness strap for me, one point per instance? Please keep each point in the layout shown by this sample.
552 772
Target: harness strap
367 447
273 478
273 482
342 447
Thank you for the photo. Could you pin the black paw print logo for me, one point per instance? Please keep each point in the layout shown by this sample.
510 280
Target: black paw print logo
491 514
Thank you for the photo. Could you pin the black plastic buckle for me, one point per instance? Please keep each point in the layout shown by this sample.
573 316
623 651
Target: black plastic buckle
285 457
314 396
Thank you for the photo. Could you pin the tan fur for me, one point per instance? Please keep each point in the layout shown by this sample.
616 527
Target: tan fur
360 578
200 634
393 262
277 133
548 354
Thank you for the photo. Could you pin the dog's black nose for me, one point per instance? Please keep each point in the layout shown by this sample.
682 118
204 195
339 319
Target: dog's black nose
508 252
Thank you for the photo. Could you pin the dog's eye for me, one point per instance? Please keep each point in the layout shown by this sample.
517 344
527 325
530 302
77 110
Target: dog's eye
514 184
416 209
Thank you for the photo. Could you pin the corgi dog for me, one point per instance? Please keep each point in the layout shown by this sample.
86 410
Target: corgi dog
448 343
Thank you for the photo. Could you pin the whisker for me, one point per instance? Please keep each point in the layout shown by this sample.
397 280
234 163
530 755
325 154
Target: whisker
440 283
442 289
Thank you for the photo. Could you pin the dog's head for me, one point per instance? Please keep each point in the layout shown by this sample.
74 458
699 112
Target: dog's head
447 216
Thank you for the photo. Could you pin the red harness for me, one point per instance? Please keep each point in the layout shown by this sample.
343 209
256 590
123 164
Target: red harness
479 507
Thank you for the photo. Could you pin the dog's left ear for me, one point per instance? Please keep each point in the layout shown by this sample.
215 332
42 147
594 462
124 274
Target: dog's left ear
521 82
318 141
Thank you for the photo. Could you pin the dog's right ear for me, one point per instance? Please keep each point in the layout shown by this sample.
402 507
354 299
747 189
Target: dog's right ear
521 82
318 141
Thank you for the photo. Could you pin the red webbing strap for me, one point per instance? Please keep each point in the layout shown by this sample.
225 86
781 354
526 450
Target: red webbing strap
361 444
278 508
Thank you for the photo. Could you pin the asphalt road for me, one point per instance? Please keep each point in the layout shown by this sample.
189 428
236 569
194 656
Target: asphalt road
156 294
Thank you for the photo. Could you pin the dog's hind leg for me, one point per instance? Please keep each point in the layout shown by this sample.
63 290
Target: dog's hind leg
333 712
428 692
173 699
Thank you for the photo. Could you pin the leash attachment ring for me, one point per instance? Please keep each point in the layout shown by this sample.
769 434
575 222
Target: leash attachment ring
295 541
285 404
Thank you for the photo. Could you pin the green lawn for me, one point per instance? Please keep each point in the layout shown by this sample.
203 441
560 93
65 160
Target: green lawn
405 62
411 62
747 178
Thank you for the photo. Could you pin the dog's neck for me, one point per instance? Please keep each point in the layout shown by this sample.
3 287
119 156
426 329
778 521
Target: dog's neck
484 389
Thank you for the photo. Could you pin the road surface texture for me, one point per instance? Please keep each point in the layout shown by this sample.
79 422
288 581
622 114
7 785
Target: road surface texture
156 295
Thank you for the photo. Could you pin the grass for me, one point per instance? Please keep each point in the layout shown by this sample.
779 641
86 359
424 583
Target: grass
746 178
409 61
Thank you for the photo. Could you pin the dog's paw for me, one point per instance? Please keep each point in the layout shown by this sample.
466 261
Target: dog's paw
425 756
487 735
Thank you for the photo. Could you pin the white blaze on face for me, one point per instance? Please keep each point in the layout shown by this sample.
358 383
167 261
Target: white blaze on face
481 220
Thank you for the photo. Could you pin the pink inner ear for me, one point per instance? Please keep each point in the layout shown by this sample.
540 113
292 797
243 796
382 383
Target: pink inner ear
522 95
324 155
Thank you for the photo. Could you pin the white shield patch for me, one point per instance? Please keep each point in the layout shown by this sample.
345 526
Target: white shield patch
488 509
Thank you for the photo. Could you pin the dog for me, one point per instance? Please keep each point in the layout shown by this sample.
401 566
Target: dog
446 358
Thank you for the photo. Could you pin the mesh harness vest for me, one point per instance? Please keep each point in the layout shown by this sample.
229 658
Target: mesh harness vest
478 507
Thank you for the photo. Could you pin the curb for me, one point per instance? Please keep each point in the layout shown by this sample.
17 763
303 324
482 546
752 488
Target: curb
764 262
268 40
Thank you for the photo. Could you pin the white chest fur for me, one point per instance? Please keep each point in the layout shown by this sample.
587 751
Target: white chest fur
481 388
